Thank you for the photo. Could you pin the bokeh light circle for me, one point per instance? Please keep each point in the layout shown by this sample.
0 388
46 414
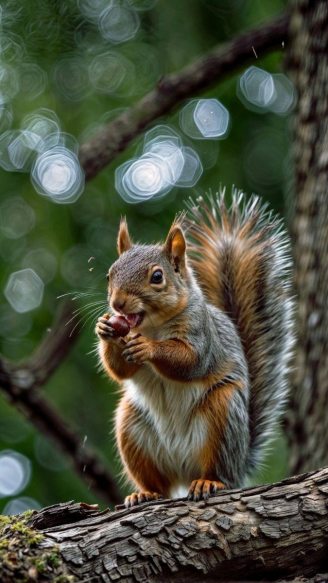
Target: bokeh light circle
163 164
15 473
24 290
261 91
204 119
119 23
58 175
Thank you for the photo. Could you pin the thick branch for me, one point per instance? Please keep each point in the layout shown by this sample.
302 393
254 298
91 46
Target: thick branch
20 384
268 532
172 89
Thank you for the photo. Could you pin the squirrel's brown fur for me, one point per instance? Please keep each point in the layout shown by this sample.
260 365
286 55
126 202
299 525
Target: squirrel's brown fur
203 371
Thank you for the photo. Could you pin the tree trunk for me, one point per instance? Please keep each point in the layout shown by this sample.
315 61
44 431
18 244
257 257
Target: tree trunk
267 532
308 67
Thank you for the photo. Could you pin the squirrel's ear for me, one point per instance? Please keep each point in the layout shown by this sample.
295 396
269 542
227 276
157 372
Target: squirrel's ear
175 246
124 242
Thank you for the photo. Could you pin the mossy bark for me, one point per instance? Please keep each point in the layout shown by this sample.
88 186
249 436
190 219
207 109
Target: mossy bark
268 532
26 555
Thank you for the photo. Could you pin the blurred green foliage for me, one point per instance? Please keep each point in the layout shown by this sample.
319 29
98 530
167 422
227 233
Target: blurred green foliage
253 157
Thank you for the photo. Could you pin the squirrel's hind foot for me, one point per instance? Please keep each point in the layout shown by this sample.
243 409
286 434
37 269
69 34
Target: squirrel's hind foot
203 489
140 497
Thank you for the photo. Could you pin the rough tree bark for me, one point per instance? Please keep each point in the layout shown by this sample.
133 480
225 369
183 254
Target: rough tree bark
308 67
267 532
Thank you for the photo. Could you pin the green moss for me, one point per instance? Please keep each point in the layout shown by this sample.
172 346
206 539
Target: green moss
40 565
22 557
4 520
54 559
29 536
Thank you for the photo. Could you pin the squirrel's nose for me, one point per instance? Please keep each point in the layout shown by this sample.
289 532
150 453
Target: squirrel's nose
118 304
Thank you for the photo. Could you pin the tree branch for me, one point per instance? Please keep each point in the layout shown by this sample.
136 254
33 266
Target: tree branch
267 532
172 89
20 383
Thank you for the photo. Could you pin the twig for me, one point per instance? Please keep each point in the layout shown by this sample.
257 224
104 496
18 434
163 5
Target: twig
172 89
20 383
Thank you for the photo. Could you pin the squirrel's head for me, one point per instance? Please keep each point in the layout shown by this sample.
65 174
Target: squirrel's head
148 284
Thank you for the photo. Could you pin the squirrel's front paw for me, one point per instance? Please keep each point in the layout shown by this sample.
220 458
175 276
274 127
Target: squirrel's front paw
105 331
139 349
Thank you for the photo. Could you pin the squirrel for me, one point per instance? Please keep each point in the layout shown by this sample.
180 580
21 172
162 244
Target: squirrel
203 369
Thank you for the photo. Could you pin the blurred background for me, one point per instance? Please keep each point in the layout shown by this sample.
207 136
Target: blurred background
65 70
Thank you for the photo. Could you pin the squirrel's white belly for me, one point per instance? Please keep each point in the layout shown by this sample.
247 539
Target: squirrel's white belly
171 434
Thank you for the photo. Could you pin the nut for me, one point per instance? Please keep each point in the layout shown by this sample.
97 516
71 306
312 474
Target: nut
120 325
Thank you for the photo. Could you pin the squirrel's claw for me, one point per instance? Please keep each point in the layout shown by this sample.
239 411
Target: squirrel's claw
203 489
140 497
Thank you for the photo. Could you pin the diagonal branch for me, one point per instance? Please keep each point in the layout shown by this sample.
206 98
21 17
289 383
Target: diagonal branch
20 384
172 89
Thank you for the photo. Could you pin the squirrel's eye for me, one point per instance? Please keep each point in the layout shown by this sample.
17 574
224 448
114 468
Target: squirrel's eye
157 276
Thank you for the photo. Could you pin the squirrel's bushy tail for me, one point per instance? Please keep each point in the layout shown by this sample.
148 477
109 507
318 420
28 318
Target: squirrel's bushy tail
241 257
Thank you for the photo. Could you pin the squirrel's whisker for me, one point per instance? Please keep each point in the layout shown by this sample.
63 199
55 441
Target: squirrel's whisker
100 306
90 304
94 315
79 294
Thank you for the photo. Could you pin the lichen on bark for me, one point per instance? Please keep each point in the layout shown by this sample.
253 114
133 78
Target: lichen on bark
26 555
